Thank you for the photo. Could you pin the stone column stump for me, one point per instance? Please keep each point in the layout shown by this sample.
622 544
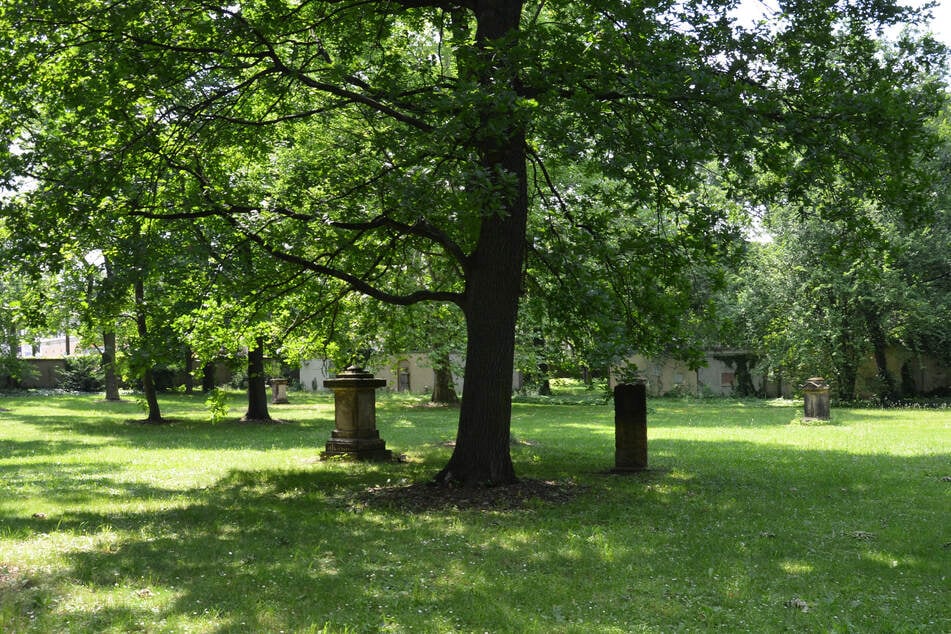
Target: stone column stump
630 427
816 405
279 391
355 436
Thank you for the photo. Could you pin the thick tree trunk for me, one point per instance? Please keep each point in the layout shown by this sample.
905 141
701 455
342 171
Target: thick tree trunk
443 389
481 455
257 387
494 272
109 366
148 380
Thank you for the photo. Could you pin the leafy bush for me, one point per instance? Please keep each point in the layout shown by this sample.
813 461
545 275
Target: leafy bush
166 378
82 374
239 379
217 404
13 371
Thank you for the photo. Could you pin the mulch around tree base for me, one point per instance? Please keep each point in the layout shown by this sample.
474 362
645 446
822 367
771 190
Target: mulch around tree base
426 496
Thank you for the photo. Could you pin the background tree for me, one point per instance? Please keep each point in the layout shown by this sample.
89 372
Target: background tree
829 290
247 305
436 331
12 324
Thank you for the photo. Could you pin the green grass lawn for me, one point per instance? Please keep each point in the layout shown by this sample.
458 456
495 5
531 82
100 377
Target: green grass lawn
749 521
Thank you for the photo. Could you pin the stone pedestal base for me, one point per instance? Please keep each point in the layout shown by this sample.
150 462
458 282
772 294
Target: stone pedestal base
356 448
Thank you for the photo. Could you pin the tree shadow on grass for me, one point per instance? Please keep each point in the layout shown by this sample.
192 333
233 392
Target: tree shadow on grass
88 415
53 486
727 536
25 448
722 530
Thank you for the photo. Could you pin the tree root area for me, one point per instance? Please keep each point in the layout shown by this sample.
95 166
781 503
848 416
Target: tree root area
426 496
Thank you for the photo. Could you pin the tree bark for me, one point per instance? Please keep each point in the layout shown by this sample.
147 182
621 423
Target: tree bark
109 366
545 388
443 389
208 377
257 387
886 382
744 378
189 370
848 372
148 380
481 455
494 274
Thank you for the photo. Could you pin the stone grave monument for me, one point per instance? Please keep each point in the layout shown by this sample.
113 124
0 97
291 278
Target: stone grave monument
355 436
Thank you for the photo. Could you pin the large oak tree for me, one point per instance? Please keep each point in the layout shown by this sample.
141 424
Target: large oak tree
360 139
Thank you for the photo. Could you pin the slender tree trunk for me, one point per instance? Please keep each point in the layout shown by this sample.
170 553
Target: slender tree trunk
443 389
148 379
886 382
151 396
109 365
257 388
208 377
109 348
545 388
10 348
847 367
847 375
189 370
744 378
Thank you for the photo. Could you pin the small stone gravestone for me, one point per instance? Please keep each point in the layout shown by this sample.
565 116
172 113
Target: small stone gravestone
816 406
279 391
630 427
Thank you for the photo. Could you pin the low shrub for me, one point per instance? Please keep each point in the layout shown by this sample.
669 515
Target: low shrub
82 374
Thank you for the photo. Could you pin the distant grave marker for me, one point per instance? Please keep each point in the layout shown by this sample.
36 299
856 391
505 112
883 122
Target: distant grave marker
279 391
816 404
